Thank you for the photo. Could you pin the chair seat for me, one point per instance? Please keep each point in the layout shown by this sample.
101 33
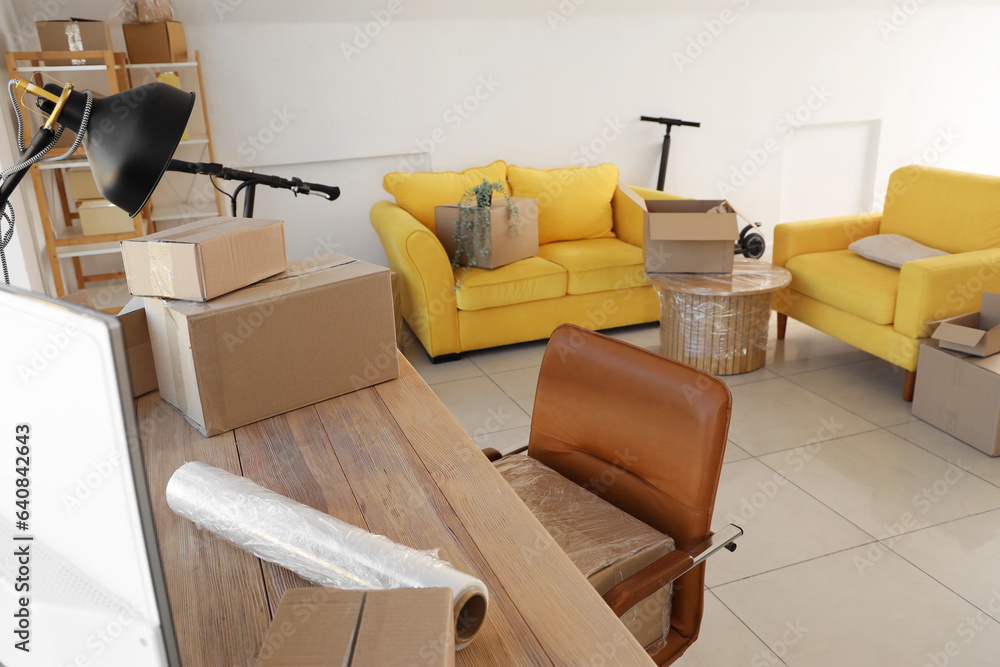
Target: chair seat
597 265
529 279
846 281
605 543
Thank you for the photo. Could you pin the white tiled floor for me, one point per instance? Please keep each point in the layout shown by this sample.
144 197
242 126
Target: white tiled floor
872 539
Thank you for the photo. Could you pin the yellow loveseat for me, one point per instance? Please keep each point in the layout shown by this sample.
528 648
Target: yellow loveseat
589 270
887 311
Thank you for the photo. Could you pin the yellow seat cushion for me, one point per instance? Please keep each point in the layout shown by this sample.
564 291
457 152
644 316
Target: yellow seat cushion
848 282
420 192
527 280
597 265
573 203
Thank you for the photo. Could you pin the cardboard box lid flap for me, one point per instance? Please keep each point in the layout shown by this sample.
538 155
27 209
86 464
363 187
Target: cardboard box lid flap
990 363
204 230
961 335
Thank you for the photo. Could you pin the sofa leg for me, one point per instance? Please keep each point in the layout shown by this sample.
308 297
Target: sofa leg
782 323
909 383
444 358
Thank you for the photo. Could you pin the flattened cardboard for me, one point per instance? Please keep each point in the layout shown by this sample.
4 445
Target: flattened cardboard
99 216
505 245
977 334
138 347
74 35
205 259
323 328
320 627
960 395
682 236
161 42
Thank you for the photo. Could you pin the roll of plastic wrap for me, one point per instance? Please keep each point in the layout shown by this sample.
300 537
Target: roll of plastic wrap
317 546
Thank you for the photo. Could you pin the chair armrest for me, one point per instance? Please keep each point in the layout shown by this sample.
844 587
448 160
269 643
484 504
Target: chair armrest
427 283
935 288
821 235
628 216
633 590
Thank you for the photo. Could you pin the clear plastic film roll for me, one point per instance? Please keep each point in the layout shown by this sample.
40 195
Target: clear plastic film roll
317 546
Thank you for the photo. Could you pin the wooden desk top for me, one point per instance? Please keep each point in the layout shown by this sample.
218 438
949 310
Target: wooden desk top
391 459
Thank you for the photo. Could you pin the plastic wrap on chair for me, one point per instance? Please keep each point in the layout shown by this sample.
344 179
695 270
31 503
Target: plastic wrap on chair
316 546
605 543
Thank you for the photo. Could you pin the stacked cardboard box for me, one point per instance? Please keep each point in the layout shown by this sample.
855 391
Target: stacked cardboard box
239 335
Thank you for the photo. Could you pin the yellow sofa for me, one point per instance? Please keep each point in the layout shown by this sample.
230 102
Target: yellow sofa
589 270
887 311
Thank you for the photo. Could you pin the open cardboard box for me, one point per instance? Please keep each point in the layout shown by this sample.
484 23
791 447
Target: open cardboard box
506 245
977 334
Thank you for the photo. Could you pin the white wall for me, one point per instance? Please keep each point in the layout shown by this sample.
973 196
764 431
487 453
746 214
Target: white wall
804 109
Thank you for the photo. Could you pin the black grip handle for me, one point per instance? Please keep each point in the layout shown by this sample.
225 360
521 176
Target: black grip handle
331 192
670 121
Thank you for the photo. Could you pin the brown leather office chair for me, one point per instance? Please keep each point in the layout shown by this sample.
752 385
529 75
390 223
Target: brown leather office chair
655 430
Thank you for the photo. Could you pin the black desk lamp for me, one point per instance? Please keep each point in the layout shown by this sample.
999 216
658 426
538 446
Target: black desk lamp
130 139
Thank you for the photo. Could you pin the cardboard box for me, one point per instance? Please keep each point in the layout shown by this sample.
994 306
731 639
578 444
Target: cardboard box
205 259
161 42
81 183
397 308
99 216
152 11
321 329
140 350
81 298
977 334
960 395
505 246
687 235
74 35
315 627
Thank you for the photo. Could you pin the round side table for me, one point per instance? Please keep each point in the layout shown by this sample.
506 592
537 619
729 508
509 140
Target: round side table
718 321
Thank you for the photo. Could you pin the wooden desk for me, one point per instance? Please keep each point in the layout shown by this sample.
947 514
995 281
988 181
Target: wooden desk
391 459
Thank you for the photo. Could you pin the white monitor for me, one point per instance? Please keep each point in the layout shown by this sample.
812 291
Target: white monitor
80 573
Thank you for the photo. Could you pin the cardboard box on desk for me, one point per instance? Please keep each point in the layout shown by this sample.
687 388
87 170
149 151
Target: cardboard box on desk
138 347
960 395
205 259
505 244
74 35
321 329
977 334
393 628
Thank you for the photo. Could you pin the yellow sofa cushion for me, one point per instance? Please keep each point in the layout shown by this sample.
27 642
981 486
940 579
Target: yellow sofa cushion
527 280
848 282
597 265
420 192
947 210
573 203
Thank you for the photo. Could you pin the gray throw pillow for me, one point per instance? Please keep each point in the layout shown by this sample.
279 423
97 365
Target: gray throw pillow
892 249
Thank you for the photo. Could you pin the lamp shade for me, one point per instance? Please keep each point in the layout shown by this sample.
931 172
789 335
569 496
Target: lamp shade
129 138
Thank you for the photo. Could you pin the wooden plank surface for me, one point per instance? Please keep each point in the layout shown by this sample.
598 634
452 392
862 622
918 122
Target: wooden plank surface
561 608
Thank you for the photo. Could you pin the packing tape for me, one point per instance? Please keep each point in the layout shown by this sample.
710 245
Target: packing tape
161 269
317 546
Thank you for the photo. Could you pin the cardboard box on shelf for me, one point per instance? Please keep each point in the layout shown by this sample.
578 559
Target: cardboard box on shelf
81 183
361 628
204 259
504 244
960 394
687 235
977 334
81 298
321 329
161 42
74 35
99 216
138 347
153 11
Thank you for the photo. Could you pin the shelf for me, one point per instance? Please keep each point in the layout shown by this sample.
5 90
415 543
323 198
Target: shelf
160 65
69 164
86 249
31 69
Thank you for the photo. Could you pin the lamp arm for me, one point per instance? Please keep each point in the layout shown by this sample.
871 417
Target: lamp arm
219 171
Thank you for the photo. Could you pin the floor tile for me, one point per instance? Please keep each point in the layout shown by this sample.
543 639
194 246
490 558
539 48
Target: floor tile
963 555
781 524
829 612
509 357
747 378
724 640
883 484
504 440
806 349
773 415
643 335
951 449
520 385
480 406
871 389
734 453
447 371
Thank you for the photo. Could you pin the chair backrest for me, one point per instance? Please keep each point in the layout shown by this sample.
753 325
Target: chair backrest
644 432
952 211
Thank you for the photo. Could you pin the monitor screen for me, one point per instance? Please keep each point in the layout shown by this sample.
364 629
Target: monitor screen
80 571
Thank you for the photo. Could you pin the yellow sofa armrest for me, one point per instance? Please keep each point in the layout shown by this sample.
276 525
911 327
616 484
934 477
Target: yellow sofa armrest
628 216
935 288
427 283
821 235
